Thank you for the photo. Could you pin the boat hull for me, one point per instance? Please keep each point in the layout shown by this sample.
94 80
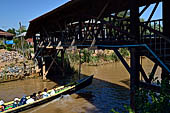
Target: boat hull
72 89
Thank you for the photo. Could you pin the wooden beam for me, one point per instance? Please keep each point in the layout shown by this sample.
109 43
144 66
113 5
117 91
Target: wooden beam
43 68
134 19
45 74
57 65
62 62
35 43
73 42
122 60
153 72
148 86
166 18
166 32
134 77
144 9
102 11
135 58
144 74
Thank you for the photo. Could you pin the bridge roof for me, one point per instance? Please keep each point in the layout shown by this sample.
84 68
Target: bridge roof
80 9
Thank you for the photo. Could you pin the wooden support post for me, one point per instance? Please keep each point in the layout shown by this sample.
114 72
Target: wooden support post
134 77
43 69
134 20
166 32
79 71
80 30
62 61
35 43
166 17
135 58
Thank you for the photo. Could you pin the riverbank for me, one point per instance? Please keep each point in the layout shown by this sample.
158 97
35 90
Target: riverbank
95 57
13 66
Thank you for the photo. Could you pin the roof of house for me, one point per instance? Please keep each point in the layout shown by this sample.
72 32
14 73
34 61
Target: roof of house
5 34
22 34
30 40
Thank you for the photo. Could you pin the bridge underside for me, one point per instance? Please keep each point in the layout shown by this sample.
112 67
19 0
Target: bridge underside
98 24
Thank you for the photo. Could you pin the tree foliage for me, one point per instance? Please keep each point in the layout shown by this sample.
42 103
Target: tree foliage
17 31
12 30
21 29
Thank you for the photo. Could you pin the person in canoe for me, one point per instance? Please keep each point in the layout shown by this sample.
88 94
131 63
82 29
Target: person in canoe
23 100
39 96
45 93
1 102
2 108
34 96
53 91
30 100
16 102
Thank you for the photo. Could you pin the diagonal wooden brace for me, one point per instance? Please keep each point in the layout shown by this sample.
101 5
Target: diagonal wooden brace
123 60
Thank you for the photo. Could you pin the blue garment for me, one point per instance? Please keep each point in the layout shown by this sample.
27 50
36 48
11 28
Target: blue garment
23 101
9 42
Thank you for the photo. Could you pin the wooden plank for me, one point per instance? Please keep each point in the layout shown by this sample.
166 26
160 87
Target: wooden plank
153 72
144 74
45 74
123 61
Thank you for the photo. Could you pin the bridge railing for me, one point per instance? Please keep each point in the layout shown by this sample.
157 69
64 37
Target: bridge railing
102 30
152 35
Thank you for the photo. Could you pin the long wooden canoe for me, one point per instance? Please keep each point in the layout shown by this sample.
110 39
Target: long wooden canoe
62 90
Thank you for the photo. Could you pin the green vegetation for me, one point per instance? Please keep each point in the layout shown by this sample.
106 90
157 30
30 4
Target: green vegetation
148 101
95 57
152 102
17 31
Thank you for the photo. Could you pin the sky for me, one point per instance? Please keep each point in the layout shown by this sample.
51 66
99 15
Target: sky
15 11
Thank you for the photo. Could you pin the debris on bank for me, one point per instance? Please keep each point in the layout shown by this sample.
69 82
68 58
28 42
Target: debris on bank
14 66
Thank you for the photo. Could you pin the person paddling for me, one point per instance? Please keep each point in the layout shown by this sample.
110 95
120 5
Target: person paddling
34 96
45 94
53 91
2 108
1 102
16 102
39 96
30 100
23 100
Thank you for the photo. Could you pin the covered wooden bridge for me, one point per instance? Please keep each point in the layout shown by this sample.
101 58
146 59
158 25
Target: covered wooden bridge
106 24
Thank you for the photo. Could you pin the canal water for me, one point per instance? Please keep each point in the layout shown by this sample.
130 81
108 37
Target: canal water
110 89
